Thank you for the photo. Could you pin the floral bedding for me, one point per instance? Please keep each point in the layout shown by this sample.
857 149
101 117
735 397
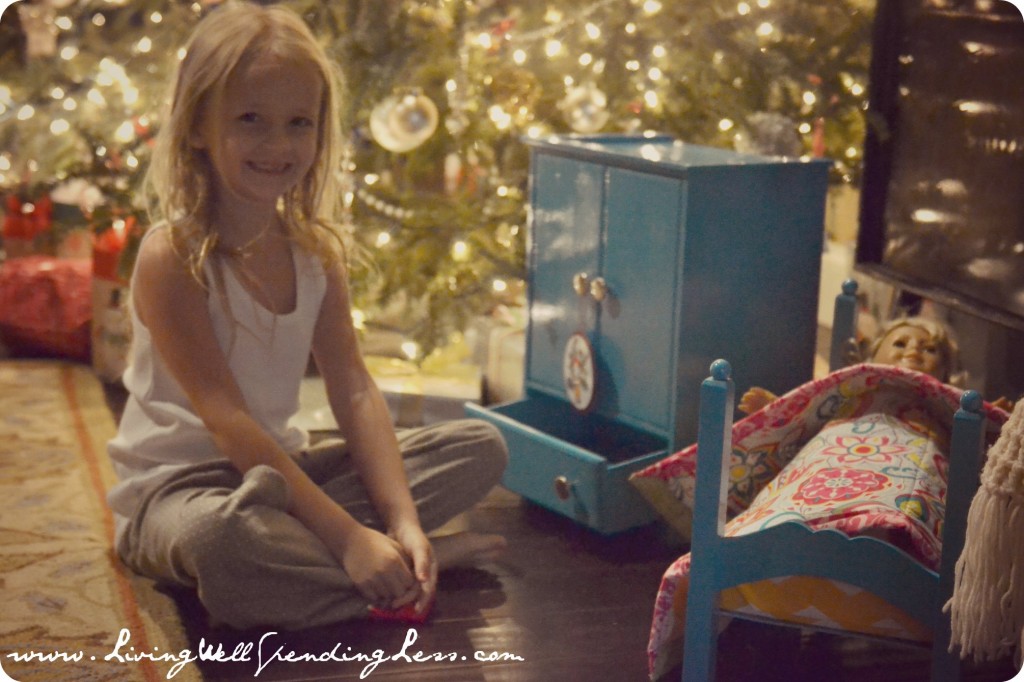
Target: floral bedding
861 451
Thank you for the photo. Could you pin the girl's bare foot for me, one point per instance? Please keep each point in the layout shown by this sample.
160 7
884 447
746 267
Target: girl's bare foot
467 548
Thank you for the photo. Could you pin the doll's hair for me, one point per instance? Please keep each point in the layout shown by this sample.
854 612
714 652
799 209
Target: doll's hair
179 179
938 332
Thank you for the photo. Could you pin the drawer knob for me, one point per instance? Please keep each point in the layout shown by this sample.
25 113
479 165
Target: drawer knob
563 488
599 289
581 283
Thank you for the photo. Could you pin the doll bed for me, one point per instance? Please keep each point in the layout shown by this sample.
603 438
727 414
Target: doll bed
857 499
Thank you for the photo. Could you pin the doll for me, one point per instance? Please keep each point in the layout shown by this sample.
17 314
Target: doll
918 343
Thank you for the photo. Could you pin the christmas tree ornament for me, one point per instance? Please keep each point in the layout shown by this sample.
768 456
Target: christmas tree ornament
769 134
585 108
402 122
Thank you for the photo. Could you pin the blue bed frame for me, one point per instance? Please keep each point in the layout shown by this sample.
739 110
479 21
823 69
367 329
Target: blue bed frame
719 563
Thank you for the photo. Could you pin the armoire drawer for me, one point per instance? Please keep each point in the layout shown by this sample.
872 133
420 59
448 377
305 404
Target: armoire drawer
576 465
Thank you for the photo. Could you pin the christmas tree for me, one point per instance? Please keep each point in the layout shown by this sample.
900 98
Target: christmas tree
441 94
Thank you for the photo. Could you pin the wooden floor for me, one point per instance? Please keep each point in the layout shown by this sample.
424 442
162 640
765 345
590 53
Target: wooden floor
563 604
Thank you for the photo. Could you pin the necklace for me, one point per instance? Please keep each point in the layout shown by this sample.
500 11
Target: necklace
243 251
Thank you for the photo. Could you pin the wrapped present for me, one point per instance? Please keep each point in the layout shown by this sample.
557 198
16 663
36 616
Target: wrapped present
506 355
45 306
499 346
26 226
435 391
416 395
111 323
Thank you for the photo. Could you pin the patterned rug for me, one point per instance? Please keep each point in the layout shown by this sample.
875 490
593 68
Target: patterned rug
68 608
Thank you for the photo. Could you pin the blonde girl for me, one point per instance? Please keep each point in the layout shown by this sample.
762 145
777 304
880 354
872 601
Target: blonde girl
240 280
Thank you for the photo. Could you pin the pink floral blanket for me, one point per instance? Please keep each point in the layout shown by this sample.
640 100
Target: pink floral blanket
861 450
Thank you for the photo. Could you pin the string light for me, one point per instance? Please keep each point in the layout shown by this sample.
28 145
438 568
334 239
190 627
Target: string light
125 132
411 349
499 117
652 7
59 126
484 41
460 251
358 318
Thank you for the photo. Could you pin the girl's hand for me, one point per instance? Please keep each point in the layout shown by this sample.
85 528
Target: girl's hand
378 566
417 546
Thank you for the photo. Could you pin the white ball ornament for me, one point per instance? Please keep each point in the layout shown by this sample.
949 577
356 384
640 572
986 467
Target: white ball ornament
402 122
585 108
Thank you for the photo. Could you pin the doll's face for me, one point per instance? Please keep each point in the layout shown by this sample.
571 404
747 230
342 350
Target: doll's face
913 348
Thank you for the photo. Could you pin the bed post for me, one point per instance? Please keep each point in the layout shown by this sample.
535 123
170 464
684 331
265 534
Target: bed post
965 448
714 450
844 327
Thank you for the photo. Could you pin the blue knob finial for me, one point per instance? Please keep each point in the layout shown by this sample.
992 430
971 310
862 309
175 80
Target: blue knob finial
721 370
971 401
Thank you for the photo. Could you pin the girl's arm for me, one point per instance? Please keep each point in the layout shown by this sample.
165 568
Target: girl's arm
173 306
365 421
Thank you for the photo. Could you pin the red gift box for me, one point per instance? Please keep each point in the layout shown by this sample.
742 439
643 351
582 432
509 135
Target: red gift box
107 249
46 306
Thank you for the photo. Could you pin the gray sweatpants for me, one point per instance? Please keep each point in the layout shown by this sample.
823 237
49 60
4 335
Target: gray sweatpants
253 564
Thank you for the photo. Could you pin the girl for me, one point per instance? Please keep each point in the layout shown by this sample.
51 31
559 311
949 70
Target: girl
242 279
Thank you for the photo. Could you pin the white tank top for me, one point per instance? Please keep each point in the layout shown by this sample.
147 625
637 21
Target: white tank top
268 354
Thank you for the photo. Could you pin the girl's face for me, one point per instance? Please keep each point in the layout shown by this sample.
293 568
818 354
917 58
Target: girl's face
913 348
260 134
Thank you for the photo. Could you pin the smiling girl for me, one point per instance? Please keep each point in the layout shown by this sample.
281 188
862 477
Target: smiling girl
241 279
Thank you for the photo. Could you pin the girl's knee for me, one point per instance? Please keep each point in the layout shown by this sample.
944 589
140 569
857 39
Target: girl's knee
490 451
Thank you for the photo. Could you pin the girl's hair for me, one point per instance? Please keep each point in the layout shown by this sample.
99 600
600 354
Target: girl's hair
938 333
179 181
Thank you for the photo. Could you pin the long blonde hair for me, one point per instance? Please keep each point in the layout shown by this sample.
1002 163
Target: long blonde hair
938 333
179 180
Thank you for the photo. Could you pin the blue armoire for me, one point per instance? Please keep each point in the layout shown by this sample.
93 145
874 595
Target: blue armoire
648 259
